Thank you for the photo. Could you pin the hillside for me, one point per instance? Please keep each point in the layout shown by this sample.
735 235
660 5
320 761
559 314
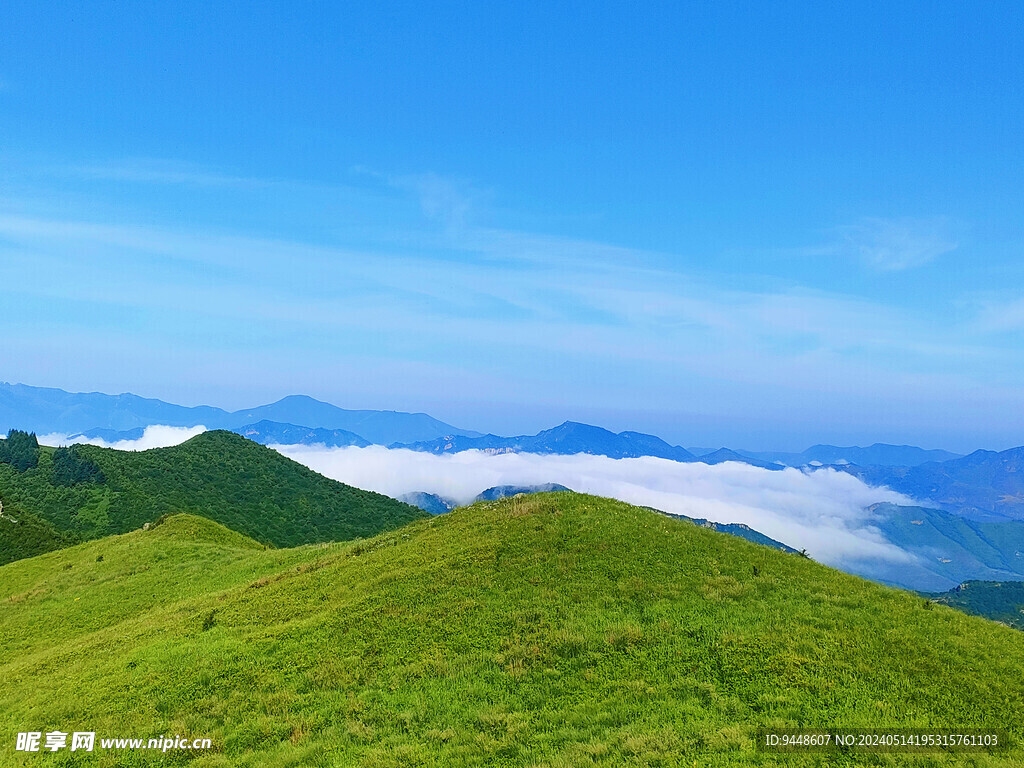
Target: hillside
23 534
551 630
219 475
948 549
741 530
1000 601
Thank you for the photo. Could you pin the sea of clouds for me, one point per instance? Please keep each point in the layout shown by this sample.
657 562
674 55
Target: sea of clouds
823 511
156 436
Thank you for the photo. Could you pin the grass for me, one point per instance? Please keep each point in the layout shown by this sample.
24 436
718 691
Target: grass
544 632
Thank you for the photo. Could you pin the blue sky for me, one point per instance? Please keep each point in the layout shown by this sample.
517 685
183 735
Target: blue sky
761 225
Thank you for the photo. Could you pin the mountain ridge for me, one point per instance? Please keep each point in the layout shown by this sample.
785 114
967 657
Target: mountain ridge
47 410
984 485
122 417
568 438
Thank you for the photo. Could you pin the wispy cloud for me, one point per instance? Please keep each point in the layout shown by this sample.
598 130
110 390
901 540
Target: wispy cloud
1000 316
543 301
599 309
162 172
896 244
527 317
441 198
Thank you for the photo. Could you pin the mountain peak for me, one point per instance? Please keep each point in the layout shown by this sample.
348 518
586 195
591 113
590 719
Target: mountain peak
300 400
578 425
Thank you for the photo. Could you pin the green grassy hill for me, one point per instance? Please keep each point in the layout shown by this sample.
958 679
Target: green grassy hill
549 631
218 475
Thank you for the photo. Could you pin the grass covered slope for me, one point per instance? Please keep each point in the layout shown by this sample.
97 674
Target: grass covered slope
552 630
219 475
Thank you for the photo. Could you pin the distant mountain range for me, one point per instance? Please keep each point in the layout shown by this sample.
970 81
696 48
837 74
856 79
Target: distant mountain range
879 454
972 533
379 427
986 485
723 455
568 438
275 433
572 437
429 502
45 410
299 419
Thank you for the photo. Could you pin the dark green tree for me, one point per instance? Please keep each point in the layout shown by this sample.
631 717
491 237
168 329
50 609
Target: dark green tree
70 468
20 450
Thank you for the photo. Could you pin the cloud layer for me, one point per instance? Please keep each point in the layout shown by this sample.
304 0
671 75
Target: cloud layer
822 511
895 244
156 436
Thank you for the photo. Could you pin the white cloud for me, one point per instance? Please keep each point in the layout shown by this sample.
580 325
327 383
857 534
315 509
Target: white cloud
999 317
894 244
578 323
156 436
163 172
824 511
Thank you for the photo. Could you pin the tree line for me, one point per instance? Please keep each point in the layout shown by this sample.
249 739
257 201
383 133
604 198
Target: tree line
21 451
